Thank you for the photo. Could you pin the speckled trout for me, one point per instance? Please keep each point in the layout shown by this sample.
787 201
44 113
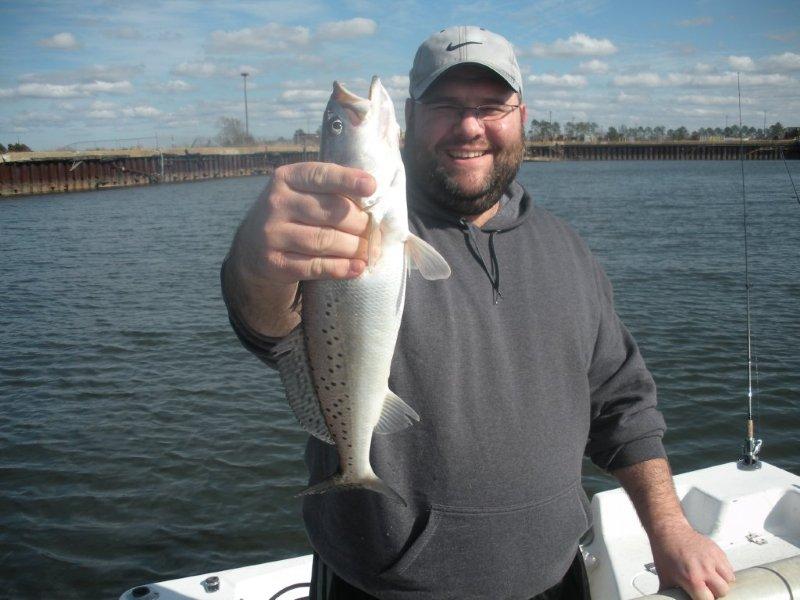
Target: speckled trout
335 365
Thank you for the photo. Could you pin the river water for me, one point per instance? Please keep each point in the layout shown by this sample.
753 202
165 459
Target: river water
140 442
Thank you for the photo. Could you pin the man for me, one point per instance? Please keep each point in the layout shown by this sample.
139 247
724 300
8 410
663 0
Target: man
517 364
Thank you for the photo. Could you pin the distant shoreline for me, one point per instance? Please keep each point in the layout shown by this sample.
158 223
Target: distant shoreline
33 173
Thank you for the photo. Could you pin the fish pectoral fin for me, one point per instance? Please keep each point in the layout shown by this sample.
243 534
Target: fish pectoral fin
396 415
292 358
373 242
424 257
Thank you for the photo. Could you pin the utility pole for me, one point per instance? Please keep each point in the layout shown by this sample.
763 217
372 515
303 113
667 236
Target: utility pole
765 124
246 119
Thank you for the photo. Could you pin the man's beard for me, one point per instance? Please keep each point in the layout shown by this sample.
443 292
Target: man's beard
425 171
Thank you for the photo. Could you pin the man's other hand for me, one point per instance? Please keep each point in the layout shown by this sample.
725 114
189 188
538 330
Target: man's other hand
690 560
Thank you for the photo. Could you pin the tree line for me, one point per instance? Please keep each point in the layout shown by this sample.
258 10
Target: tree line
15 148
587 131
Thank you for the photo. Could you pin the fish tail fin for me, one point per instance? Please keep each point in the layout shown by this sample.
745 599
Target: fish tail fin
337 481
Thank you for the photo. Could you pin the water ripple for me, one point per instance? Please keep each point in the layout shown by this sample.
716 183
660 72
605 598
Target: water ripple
141 442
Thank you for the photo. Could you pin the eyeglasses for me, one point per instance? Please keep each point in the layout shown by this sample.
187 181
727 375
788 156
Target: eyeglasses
454 112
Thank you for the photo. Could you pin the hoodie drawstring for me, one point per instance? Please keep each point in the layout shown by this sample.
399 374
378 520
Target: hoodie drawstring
494 274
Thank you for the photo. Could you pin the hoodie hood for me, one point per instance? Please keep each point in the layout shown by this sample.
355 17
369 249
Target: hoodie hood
515 207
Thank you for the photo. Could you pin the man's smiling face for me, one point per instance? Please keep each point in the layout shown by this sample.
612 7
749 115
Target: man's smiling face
464 163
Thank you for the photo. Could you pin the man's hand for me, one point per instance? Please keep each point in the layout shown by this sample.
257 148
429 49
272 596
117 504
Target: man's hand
682 556
304 226
690 560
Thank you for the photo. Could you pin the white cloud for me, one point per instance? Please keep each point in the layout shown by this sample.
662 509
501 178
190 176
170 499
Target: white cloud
398 81
272 37
623 98
74 90
61 41
696 22
207 69
300 84
102 115
101 105
741 63
594 66
140 111
638 79
551 80
578 44
108 87
788 61
713 100
352 28
305 95
177 85
702 68
728 79
87 74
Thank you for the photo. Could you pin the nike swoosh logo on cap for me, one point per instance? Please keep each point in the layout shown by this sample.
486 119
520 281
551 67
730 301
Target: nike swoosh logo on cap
451 47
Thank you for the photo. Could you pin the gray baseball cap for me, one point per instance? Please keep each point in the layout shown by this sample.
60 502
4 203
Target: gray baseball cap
460 45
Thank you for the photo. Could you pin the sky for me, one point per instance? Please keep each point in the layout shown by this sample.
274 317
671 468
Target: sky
81 73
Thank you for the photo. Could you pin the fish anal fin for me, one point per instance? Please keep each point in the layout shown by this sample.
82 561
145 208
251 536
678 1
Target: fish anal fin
424 257
292 359
396 415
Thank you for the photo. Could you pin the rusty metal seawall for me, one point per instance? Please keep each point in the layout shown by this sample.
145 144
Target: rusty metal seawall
666 150
26 173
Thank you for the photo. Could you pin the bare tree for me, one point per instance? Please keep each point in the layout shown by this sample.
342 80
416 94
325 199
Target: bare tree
232 133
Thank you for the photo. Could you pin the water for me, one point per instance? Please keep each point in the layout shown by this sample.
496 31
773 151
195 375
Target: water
140 442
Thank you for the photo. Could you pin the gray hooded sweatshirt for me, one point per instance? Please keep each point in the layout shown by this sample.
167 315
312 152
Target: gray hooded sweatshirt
517 366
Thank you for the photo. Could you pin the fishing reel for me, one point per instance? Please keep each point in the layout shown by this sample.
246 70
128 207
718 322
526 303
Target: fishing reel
749 460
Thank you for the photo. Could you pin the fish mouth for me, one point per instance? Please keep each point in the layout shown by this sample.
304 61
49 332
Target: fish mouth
355 106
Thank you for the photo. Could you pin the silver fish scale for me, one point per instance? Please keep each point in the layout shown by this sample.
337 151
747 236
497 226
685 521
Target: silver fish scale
348 324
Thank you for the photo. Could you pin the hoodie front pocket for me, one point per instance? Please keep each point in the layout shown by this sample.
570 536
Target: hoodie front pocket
494 552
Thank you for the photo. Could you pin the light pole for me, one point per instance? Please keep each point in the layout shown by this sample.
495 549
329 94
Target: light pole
246 120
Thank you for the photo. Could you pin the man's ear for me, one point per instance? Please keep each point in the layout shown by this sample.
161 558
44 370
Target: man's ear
523 114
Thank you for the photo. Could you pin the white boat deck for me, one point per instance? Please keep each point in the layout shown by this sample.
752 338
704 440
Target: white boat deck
754 516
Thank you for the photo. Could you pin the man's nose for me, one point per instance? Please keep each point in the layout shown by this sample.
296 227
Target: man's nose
468 122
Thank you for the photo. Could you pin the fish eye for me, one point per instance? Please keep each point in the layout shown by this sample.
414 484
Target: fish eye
336 126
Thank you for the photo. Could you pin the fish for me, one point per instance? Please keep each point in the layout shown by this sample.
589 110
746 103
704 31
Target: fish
335 365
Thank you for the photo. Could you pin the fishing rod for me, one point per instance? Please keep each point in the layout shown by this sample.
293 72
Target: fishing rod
752 446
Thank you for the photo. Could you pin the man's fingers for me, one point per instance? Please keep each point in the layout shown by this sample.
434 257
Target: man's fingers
699 591
725 571
717 585
319 241
327 178
301 267
329 210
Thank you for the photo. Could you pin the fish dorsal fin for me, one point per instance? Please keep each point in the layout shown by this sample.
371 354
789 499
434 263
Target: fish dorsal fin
292 358
424 257
396 415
